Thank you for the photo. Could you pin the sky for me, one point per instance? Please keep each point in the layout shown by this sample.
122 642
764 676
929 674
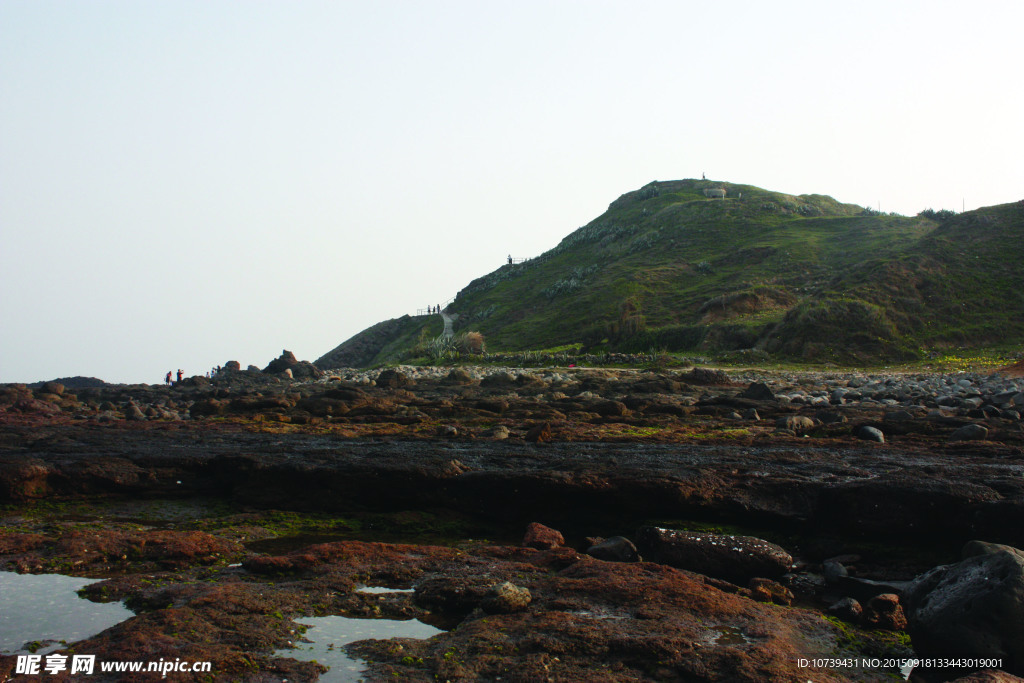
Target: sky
184 183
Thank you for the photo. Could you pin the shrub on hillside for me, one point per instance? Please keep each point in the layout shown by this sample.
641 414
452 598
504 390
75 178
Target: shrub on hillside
942 215
470 343
836 329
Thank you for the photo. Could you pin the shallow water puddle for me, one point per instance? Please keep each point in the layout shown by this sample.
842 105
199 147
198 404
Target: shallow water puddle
45 608
731 635
327 635
383 590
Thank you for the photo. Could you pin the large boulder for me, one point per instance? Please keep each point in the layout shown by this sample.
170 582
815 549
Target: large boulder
306 370
971 609
758 391
733 558
969 432
506 598
299 369
392 379
798 424
286 360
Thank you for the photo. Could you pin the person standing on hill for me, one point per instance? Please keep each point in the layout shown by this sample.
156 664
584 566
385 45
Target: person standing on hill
180 374
167 379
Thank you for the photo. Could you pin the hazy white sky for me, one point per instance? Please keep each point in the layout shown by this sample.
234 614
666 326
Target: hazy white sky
185 183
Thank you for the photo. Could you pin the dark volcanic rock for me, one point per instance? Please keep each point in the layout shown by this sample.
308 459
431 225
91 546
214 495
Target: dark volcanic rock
846 609
306 370
969 432
299 369
615 549
451 595
868 433
758 391
974 608
77 382
734 558
283 362
907 501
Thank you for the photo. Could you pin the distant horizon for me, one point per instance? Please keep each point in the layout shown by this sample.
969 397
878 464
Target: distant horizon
186 182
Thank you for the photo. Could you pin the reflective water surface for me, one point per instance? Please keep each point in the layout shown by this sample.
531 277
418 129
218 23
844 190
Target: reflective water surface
45 609
328 634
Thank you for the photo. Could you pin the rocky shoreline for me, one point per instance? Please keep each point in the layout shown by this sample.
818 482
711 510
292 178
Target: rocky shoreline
224 511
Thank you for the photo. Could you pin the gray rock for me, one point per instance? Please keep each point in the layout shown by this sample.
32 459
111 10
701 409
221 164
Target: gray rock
833 571
499 433
868 433
751 414
969 432
615 549
758 391
865 589
846 609
830 417
733 558
974 608
1004 398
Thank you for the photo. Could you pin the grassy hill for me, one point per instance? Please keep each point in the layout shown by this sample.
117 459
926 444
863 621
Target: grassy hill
802 277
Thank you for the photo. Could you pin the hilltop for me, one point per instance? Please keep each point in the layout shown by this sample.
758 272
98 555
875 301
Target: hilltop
770 274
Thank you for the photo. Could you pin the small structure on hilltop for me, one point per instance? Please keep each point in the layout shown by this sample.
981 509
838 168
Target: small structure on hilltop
715 193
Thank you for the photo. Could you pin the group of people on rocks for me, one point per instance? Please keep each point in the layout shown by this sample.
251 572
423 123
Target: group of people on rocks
434 309
210 374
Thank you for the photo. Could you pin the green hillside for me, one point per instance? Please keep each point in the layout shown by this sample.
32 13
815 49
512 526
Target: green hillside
802 277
